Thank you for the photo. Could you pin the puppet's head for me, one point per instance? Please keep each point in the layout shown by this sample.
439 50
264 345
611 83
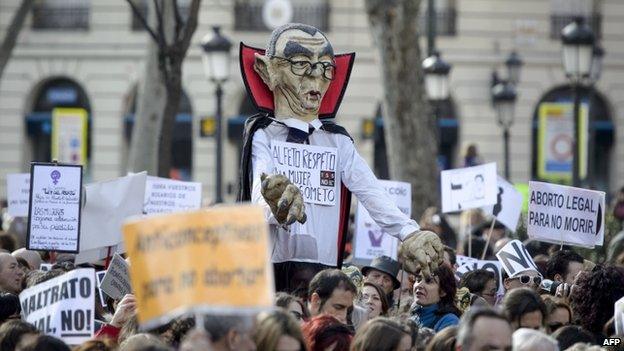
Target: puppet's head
298 67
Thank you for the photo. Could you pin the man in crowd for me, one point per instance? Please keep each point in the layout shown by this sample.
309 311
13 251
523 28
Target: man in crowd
331 292
483 328
230 332
563 266
383 271
529 278
10 274
32 257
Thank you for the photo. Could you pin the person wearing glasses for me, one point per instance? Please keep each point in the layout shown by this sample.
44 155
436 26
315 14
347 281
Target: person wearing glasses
524 308
529 278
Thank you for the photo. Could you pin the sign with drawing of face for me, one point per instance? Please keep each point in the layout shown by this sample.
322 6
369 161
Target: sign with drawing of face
508 205
470 187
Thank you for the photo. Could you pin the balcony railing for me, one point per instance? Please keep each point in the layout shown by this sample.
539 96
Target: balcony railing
557 22
61 14
446 22
248 15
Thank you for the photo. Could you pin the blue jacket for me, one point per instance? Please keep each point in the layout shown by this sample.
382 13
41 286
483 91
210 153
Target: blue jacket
426 316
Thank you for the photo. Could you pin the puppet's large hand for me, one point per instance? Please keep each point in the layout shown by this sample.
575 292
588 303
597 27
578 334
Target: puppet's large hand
284 198
423 251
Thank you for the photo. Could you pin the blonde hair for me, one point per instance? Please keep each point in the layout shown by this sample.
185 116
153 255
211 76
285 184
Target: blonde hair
271 326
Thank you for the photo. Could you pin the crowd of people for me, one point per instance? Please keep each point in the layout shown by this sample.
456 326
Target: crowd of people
565 304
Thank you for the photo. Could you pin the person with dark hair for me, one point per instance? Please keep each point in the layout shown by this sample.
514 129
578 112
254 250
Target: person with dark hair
177 330
44 343
293 305
571 334
481 282
434 299
478 244
373 299
483 328
230 332
594 295
563 266
382 334
325 332
331 292
12 332
278 330
10 307
7 242
558 313
444 340
450 258
383 271
524 309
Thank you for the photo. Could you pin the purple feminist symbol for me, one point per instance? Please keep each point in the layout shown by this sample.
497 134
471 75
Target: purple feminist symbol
55 175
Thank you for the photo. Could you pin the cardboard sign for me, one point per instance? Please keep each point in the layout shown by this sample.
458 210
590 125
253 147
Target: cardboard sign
63 306
493 266
618 317
18 193
206 261
370 240
54 209
99 276
470 187
515 258
564 214
116 282
312 168
508 205
164 195
107 205
462 260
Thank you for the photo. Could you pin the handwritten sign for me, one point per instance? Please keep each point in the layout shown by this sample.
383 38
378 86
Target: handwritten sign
116 282
164 195
370 240
508 205
515 258
214 260
18 192
470 187
312 168
493 266
54 209
559 213
63 306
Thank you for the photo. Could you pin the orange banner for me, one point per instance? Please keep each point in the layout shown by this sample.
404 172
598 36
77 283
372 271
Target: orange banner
213 260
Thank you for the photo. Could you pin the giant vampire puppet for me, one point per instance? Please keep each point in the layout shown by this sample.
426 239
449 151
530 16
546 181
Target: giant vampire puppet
302 167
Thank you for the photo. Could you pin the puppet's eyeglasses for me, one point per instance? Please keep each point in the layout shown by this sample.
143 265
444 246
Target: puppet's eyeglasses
303 68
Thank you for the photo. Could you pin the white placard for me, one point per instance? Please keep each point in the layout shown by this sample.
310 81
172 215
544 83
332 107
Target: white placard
63 306
164 195
470 187
564 214
116 282
508 205
370 240
515 258
99 276
493 266
18 192
54 210
618 317
312 168
462 260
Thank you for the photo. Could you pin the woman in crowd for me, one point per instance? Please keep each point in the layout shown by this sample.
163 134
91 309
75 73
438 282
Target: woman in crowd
434 299
481 282
293 305
524 309
373 300
326 333
382 334
558 313
280 331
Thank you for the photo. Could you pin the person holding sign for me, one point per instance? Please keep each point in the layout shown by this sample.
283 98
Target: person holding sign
302 169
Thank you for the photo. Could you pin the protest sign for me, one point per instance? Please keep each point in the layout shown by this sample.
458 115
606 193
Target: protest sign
99 276
54 207
116 282
515 258
107 205
312 168
462 260
207 261
63 306
18 192
493 266
69 135
470 187
564 214
508 205
618 317
164 195
370 240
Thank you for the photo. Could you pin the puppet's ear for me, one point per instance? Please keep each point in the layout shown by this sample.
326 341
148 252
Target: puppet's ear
261 66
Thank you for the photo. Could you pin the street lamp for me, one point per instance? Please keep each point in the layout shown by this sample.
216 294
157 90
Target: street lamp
436 77
578 45
514 65
216 59
504 99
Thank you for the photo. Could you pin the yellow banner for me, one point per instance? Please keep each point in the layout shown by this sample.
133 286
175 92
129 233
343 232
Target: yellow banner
213 260
69 135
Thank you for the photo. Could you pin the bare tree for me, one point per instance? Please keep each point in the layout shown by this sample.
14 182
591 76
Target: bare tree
10 38
411 131
161 87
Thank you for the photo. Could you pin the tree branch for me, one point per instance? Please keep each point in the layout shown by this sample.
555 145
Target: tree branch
13 32
161 26
191 25
178 19
136 12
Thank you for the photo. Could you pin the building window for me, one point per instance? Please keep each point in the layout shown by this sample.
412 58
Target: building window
445 17
248 14
136 25
61 14
563 12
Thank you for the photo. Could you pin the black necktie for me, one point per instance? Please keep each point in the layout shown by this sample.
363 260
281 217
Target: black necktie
299 136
